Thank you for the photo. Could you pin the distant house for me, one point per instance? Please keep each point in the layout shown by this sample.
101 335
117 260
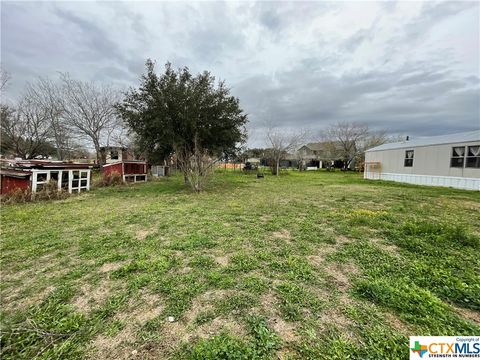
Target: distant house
310 154
319 154
448 160
34 174
113 154
253 161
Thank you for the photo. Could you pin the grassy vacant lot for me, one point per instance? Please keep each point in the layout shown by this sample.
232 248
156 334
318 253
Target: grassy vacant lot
307 265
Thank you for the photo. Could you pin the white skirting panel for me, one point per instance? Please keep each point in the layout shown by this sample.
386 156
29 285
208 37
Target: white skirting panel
448 181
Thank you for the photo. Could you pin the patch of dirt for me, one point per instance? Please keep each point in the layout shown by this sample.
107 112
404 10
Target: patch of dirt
339 273
398 324
204 302
117 347
222 260
174 333
286 330
315 260
390 248
216 326
91 296
286 354
142 234
284 234
107 267
468 314
185 270
15 301
341 240
268 301
124 344
265 218
335 317
142 310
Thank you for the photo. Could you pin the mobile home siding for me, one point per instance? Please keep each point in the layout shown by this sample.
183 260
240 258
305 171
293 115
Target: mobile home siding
431 166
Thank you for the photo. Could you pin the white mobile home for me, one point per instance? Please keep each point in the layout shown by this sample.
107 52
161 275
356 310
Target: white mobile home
448 160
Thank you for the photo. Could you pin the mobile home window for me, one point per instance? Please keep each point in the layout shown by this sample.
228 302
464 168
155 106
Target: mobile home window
408 158
473 157
458 156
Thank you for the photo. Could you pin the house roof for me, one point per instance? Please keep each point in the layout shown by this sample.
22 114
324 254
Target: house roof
316 146
322 145
431 140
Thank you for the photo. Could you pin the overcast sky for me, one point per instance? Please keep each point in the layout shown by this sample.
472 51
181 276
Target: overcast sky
405 67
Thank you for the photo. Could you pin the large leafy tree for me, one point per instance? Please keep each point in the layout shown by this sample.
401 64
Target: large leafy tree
191 117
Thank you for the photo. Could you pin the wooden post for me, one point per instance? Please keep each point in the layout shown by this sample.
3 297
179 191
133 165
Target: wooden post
34 181
70 181
88 180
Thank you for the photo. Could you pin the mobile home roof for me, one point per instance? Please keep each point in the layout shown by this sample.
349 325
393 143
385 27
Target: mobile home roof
431 140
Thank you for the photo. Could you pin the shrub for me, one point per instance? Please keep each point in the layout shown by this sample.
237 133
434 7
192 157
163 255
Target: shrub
110 179
17 196
49 191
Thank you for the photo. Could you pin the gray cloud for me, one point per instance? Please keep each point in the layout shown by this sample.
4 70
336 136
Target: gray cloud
403 67
399 101
94 41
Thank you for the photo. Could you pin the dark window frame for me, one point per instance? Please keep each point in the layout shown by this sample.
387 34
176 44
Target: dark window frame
408 162
454 159
472 161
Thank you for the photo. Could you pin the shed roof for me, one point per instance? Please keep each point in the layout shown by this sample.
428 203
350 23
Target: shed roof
431 140
126 162
45 164
15 173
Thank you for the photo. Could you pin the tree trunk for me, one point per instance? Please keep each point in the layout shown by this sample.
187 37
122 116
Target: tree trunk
277 167
97 151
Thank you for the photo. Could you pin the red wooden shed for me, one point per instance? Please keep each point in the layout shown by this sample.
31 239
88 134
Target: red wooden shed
34 174
11 180
129 170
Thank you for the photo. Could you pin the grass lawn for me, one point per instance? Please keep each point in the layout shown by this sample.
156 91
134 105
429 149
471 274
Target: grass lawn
307 265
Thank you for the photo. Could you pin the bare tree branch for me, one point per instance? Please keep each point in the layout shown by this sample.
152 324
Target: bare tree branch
348 141
281 143
47 95
88 108
4 79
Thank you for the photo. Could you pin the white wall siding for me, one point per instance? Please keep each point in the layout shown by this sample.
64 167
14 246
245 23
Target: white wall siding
431 166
